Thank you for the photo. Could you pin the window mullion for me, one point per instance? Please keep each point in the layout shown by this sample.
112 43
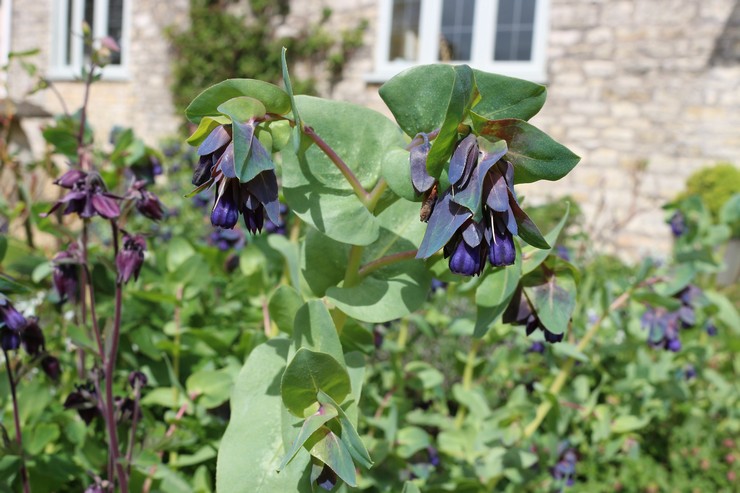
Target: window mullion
75 34
100 27
483 34
430 21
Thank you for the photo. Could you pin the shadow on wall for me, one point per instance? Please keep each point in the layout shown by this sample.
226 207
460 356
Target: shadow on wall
727 46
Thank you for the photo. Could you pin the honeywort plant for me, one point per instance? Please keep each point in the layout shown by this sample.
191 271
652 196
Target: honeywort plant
384 205
365 367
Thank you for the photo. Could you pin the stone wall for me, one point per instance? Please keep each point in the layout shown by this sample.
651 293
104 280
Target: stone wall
646 91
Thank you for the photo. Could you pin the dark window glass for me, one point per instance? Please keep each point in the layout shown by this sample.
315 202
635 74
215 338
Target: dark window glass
456 31
514 30
115 26
89 18
405 30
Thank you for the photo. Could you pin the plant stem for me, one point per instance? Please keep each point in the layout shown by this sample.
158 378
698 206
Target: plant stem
544 408
376 264
134 422
17 422
467 381
374 196
83 116
110 367
361 193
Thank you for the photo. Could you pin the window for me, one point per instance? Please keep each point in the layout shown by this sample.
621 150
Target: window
5 11
503 36
106 18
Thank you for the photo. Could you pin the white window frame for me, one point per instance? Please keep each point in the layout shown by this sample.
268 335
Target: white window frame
59 70
430 17
6 9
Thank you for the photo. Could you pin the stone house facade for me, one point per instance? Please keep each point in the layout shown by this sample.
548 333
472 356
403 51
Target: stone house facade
646 91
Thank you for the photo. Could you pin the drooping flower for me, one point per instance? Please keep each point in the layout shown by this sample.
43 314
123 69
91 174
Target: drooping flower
663 328
520 312
85 401
50 365
65 275
137 377
278 228
255 198
87 197
565 468
146 202
477 218
130 258
10 339
10 316
678 224
32 337
710 328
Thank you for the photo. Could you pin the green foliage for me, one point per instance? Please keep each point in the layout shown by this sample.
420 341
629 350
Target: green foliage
219 44
715 185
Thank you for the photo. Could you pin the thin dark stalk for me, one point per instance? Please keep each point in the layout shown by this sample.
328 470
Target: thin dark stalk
17 422
134 423
83 116
361 193
110 367
376 264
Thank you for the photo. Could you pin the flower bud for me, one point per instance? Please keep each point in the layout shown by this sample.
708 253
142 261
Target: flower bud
131 257
50 365
32 337
466 260
137 377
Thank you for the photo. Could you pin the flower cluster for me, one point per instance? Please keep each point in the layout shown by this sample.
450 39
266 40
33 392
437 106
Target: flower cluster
565 468
87 196
664 325
17 331
476 218
253 199
520 312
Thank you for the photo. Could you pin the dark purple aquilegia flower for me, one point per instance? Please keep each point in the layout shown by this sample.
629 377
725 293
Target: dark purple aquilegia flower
146 202
130 258
87 196
255 197
13 324
65 275
85 401
476 219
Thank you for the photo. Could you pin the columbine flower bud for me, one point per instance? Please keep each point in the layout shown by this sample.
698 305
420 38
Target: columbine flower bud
131 257
146 202
137 378
50 365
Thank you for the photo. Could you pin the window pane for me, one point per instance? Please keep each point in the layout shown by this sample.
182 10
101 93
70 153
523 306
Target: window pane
89 20
405 30
115 26
514 30
68 40
456 32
